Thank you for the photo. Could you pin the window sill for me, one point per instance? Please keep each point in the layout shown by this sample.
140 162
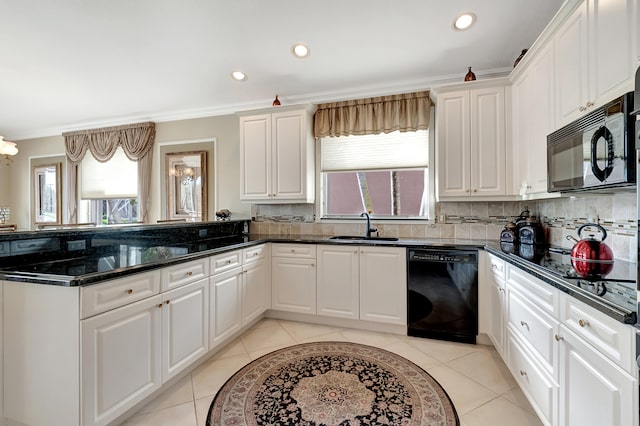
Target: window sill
412 221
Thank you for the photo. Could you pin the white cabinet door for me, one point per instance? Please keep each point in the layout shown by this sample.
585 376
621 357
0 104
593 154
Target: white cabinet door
289 157
383 284
255 157
338 281
277 156
488 143
453 137
185 327
571 65
533 120
471 143
293 284
225 298
597 35
611 41
593 391
497 314
256 290
121 351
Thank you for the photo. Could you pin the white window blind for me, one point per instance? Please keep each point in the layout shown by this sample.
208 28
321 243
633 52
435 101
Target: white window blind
117 178
376 152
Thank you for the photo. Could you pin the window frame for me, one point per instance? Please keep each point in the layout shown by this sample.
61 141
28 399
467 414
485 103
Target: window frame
320 207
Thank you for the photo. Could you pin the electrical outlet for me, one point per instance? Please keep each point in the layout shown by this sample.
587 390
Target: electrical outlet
76 245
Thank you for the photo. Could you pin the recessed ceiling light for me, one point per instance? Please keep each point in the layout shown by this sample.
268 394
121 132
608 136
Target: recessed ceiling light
239 76
464 21
300 50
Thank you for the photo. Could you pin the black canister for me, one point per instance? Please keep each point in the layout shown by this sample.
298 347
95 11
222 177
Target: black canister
509 238
531 239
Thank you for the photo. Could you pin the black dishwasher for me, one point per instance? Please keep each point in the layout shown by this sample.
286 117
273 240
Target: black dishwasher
442 294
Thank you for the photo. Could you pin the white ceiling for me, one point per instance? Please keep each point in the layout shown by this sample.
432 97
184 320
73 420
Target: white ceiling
74 64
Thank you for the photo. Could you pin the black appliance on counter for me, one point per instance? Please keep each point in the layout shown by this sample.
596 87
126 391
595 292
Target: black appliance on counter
595 151
442 294
524 238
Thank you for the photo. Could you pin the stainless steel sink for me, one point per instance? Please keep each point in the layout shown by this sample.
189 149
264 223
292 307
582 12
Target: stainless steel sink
359 237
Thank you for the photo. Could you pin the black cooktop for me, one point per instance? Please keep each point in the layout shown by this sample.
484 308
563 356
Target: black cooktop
618 287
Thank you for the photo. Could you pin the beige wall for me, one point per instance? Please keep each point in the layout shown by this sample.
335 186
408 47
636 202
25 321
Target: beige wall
5 186
170 136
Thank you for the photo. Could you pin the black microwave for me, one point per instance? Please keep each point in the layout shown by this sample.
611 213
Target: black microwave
594 152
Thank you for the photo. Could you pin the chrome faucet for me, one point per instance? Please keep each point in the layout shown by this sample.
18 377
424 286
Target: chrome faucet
369 228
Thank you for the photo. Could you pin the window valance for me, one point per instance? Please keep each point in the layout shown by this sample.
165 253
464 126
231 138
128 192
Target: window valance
136 141
384 114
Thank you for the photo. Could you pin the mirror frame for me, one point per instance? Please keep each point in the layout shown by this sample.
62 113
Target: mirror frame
37 171
175 167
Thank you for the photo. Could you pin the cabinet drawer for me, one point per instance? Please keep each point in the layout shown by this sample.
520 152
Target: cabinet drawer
35 245
539 388
98 298
4 248
184 273
611 338
294 250
541 294
535 327
496 266
226 261
253 254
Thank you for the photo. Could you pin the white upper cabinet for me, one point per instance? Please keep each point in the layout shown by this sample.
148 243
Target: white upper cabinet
471 143
594 56
533 120
277 156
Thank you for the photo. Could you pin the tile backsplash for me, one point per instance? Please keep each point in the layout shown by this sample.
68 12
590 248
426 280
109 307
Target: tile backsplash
477 220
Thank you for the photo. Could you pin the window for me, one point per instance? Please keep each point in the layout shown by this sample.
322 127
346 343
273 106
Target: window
386 174
108 191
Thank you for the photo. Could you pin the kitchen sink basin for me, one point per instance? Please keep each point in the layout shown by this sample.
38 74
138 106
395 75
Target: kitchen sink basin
359 237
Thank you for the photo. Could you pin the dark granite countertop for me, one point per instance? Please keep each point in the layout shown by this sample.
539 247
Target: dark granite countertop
114 258
620 302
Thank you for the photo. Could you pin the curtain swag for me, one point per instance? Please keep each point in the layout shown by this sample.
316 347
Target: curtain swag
406 112
136 141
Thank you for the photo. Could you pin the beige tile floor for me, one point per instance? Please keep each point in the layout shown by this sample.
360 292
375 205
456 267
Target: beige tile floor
482 389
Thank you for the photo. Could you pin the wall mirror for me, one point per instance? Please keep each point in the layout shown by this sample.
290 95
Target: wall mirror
47 192
187 185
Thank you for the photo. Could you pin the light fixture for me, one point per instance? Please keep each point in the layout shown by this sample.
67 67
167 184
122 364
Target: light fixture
239 76
300 50
7 149
464 21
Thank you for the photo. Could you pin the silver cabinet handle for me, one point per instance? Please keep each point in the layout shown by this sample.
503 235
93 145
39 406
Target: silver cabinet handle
558 337
583 323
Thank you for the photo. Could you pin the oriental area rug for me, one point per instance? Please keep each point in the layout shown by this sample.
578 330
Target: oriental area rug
331 384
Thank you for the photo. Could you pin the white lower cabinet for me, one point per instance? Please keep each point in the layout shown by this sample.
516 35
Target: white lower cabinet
573 363
256 297
593 390
240 290
338 281
225 304
383 284
185 327
121 359
495 310
293 278
536 383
